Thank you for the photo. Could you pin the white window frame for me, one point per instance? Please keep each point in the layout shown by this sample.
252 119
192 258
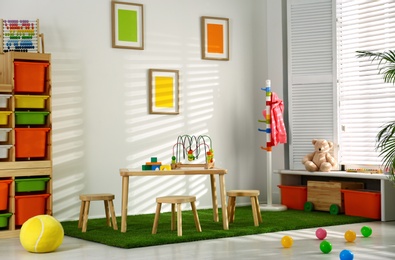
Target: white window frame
343 128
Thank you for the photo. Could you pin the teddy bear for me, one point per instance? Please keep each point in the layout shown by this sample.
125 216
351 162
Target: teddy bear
320 159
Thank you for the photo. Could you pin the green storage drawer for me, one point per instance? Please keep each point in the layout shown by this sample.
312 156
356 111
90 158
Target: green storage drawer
31 184
30 117
4 219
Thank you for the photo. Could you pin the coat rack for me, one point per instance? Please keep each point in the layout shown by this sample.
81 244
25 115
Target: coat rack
269 143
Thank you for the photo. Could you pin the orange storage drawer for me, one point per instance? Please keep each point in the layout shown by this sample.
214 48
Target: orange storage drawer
4 191
362 203
29 76
30 142
29 206
294 197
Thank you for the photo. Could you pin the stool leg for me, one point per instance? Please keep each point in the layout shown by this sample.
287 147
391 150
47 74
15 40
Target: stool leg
196 217
113 217
231 209
179 220
156 219
107 215
258 209
173 217
254 211
85 217
81 214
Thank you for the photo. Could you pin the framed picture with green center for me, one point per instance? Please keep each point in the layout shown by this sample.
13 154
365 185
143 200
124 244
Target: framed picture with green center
127 25
163 91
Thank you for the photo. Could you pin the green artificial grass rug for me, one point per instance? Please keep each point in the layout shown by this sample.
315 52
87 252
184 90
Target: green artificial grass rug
139 227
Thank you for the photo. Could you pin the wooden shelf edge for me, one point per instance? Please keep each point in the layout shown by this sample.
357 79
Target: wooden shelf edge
6 88
30 56
9 233
25 165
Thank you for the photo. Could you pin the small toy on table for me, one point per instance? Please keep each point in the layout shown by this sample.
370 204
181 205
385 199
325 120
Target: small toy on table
191 146
152 165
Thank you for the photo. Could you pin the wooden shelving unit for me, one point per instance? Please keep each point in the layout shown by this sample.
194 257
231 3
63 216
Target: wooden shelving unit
17 165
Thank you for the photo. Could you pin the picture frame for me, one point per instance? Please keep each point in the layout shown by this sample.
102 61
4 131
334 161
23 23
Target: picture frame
127 21
215 38
163 91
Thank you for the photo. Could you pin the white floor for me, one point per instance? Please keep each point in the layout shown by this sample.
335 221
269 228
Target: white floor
380 245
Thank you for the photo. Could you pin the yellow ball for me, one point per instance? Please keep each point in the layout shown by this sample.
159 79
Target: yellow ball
350 235
41 234
287 241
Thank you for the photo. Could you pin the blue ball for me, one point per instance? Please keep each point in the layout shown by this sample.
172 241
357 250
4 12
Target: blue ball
346 255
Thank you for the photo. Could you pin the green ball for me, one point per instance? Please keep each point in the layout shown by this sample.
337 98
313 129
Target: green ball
366 231
325 247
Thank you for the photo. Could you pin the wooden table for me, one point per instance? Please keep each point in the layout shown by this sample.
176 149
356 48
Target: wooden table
126 173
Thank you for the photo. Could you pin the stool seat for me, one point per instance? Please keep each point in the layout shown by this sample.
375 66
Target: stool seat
253 194
243 193
176 201
108 207
99 196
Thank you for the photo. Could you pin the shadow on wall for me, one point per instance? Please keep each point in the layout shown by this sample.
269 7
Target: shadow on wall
67 135
198 82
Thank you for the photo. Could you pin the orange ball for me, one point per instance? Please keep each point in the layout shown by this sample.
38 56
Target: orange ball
350 235
287 241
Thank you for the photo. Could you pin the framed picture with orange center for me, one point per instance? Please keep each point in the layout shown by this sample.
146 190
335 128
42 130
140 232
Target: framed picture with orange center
215 38
163 91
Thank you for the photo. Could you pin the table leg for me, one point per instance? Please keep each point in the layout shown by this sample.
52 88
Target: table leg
214 197
124 209
225 220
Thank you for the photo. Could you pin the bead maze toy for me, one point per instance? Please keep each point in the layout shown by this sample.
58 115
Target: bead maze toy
191 146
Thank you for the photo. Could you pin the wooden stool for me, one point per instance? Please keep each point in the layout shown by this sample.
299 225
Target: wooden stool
176 200
253 194
108 207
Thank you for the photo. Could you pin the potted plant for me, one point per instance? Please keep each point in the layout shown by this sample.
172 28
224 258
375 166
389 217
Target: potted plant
386 136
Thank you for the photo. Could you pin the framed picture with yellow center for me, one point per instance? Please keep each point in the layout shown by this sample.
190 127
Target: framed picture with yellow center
163 91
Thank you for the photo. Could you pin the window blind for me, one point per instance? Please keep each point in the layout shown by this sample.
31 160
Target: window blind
365 101
311 76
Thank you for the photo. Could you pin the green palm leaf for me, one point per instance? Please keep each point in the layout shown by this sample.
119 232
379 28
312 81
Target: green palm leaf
386 63
386 146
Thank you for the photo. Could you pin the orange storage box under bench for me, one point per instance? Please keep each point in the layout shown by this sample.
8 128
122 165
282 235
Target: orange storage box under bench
31 142
362 203
30 76
294 197
28 206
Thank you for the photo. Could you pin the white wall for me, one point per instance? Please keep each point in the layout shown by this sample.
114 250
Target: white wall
100 111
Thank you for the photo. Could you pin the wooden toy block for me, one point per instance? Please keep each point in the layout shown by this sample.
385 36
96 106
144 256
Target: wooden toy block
153 163
155 167
146 167
165 167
